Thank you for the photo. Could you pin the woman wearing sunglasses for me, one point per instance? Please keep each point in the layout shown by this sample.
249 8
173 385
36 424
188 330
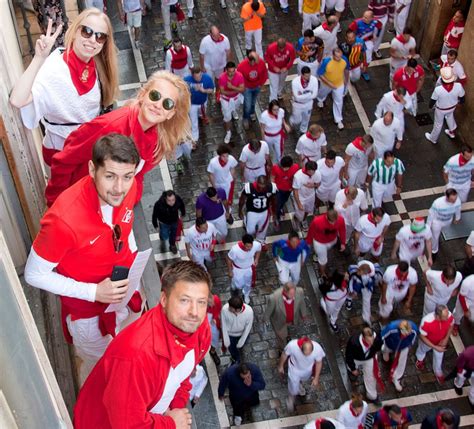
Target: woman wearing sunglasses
70 86
156 119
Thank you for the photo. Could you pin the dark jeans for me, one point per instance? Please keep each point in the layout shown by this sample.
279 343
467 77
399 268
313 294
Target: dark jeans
240 406
282 198
168 232
250 99
233 350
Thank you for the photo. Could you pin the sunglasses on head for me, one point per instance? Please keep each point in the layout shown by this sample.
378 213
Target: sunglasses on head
168 103
87 33
116 235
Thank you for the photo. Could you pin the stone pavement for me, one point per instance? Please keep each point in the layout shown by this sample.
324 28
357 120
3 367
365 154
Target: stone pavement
423 172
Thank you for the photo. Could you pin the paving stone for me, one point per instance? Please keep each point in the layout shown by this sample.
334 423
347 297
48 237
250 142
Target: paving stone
427 377
275 403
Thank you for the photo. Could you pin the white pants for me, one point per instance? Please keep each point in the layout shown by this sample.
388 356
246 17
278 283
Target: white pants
256 224
190 5
301 114
242 279
378 39
89 342
436 227
392 298
369 50
277 83
459 312
463 190
201 257
165 13
366 244
310 21
221 225
357 176
308 207
312 66
366 298
337 5
370 382
381 192
328 194
230 105
213 73
288 271
295 377
437 357
430 303
439 117
337 99
182 73
250 175
215 336
283 4
459 382
354 74
332 308
402 362
195 111
275 144
321 250
257 37
226 186
401 20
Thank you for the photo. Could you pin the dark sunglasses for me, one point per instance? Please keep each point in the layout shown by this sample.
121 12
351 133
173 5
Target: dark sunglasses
168 103
87 33
116 235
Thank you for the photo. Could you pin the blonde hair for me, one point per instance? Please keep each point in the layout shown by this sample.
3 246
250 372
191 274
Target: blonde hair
177 128
105 60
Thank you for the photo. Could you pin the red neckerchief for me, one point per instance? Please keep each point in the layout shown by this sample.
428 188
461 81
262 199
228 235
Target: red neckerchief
272 115
242 246
303 340
371 219
401 39
365 343
346 190
400 275
308 135
462 160
304 82
439 423
305 172
448 86
287 299
397 97
353 411
326 27
83 75
222 163
221 39
357 143
318 423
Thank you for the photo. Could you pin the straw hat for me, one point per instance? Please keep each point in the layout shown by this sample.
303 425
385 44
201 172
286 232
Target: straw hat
447 74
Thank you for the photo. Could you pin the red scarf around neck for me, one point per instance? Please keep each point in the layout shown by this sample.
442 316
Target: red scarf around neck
462 160
400 275
371 218
83 75
401 39
303 340
304 82
242 246
308 135
272 115
221 162
448 86
353 411
357 142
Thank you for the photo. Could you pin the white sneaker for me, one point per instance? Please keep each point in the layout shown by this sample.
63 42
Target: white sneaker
302 391
320 104
223 5
428 137
190 13
237 420
450 133
340 125
398 386
247 299
235 116
227 137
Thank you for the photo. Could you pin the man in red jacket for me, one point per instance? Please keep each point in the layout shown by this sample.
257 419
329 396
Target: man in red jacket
323 234
142 381
279 56
83 236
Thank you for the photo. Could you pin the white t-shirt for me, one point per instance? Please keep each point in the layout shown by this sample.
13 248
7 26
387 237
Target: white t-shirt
368 229
301 182
385 135
304 96
297 359
388 103
244 259
457 67
459 175
222 175
441 291
271 124
443 211
309 148
254 160
215 53
412 244
403 49
328 37
349 420
330 175
467 290
470 241
394 284
445 99
200 241
351 213
359 158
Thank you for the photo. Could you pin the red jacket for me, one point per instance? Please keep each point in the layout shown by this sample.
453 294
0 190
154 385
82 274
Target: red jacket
254 75
324 232
281 59
130 378
71 164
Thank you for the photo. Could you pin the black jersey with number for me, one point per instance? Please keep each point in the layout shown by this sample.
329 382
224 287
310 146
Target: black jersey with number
258 202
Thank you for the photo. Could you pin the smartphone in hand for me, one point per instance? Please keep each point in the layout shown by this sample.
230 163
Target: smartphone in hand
119 273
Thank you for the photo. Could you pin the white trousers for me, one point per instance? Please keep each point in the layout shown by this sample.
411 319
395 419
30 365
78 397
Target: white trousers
184 149
277 83
439 117
328 194
402 362
459 312
288 271
201 256
378 40
283 4
195 111
215 336
308 207
381 191
366 298
459 382
256 224
370 382
321 250
256 35
165 13
301 114
401 20
436 227
250 175
354 74
312 66
242 279
295 377
332 308
310 21
366 244
392 298
337 99
437 357
369 50
182 73
230 105
462 190
357 176
221 225
430 303
275 145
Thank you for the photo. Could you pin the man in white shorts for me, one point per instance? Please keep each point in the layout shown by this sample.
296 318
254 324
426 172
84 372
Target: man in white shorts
331 169
312 144
356 160
412 241
255 160
387 134
399 282
214 52
289 256
370 232
441 286
304 90
132 10
465 303
458 172
305 183
200 240
305 361
349 203
242 261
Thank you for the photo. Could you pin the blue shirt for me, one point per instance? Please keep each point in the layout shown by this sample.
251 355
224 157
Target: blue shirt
282 249
392 338
198 97
237 389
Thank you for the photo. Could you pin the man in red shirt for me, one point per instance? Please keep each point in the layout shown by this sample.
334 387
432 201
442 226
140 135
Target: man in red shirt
255 74
453 33
283 177
323 233
279 56
84 235
142 381
435 330
411 77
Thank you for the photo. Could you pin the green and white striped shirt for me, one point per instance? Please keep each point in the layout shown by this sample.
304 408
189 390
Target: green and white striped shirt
385 175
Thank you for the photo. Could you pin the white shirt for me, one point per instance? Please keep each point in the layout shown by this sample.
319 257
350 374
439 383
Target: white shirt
385 135
459 175
412 244
359 158
345 416
443 211
328 37
312 424
298 361
470 241
402 49
394 284
271 124
199 382
351 213
369 230
445 99
200 241
302 181
309 148
303 97
467 290
388 103
244 259
222 175
457 67
236 325
441 291
215 53
252 160
399 3
330 175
